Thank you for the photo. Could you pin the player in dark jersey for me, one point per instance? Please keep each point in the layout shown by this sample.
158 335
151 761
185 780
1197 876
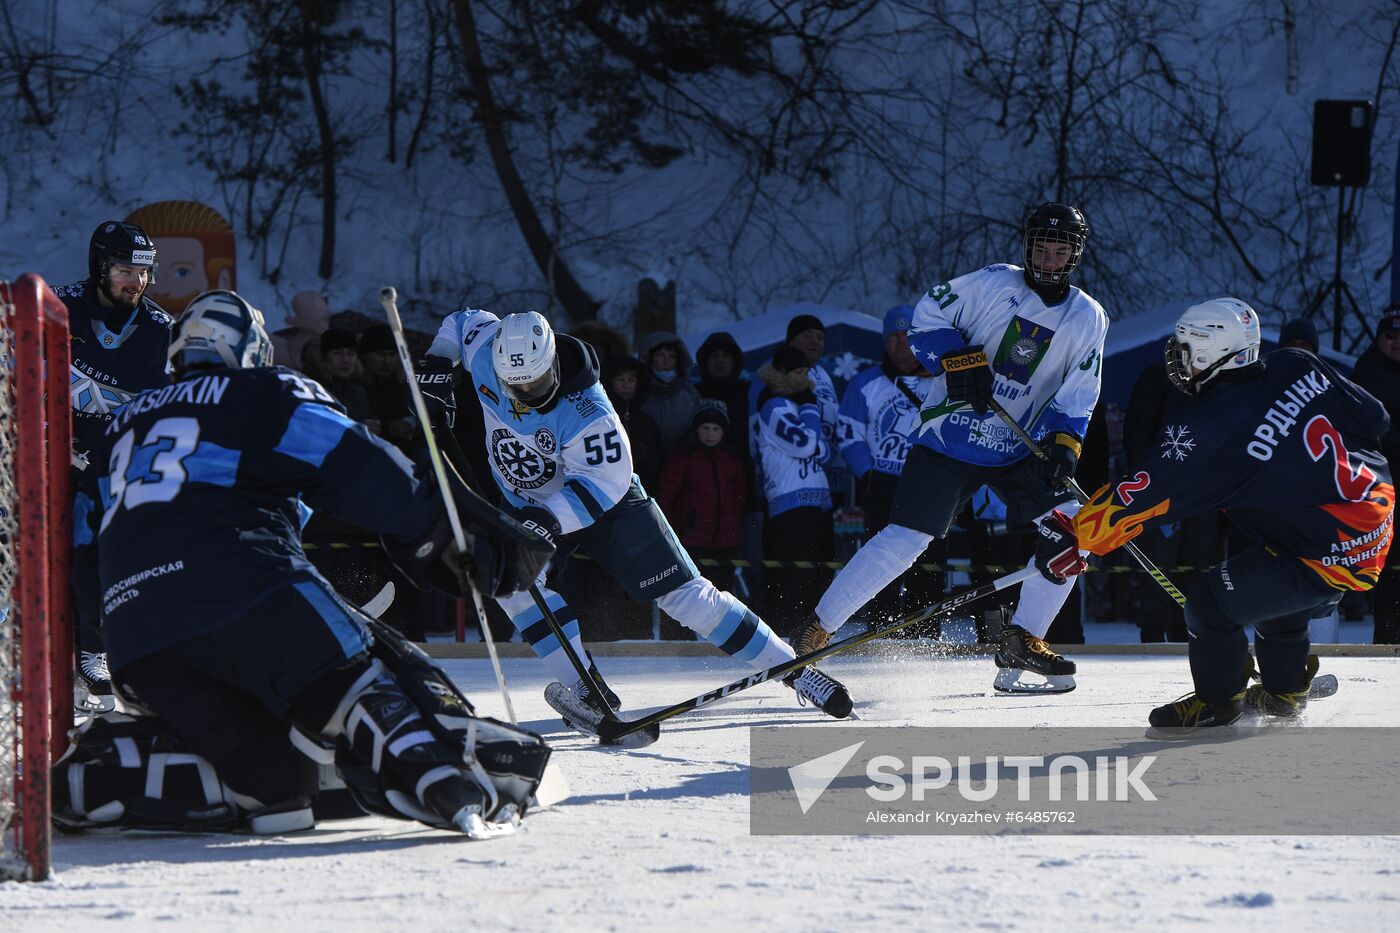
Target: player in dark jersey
212 615
120 340
1290 449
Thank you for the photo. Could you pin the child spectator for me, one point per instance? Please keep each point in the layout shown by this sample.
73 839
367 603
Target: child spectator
702 491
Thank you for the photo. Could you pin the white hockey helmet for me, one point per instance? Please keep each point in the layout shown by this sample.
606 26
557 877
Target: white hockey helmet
220 328
525 359
1215 335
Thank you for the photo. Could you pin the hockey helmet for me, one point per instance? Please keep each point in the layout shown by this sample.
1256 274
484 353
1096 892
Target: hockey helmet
1213 336
525 359
1053 224
220 328
116 242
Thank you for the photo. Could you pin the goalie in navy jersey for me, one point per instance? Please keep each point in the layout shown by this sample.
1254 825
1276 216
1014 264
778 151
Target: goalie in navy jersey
558 453
217 624
1290 449
120 339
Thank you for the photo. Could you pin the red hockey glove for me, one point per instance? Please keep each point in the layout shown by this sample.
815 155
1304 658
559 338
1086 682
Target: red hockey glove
1057 550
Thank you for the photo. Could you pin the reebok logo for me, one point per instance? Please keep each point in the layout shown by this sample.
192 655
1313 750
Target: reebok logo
967 360
811 778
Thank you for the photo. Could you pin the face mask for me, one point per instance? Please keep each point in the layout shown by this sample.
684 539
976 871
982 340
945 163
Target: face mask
664 375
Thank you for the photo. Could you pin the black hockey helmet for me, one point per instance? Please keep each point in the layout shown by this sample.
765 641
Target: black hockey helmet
1053 222
114 241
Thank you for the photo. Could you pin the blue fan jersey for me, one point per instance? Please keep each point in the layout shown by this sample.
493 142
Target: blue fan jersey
111 366
194 500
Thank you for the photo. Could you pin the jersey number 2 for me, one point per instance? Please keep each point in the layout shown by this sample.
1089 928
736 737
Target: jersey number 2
1353 484
154 471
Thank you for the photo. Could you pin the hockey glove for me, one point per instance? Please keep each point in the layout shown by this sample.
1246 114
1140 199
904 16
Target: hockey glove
437 378
969 378
1057 549
1061 460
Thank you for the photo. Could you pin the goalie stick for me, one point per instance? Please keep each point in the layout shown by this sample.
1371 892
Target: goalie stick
614 731
1038 452
389 299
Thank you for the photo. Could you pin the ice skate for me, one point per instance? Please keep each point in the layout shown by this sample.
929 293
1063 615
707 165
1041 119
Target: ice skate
826 693
1190 714
1026 664
606 704
92 687
1287 705
810 637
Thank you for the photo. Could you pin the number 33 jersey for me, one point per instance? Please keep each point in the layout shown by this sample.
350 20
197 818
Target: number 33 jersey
196 494
571 457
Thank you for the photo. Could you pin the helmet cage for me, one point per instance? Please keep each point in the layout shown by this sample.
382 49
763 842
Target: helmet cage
1211 337
1035 236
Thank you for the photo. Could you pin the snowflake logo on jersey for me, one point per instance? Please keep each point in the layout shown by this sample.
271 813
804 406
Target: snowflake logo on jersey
521 466
1177 442
544 440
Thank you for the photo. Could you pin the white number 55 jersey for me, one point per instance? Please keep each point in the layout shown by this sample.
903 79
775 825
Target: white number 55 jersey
574 460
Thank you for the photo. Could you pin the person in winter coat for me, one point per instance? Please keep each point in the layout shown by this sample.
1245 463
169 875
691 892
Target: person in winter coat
702 490
720 363
627 384
342 374
1378 372
672 398
799 499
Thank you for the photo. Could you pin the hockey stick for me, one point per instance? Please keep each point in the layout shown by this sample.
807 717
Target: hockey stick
381 601
388 297
1039 453
644 736
612 731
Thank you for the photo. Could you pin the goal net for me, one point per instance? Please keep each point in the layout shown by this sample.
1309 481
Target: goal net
35 540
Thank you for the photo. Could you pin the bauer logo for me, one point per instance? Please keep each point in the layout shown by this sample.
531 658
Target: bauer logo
1259 780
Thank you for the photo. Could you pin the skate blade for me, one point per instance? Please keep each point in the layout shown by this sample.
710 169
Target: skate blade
583 718
470 824
1196 734
1011 680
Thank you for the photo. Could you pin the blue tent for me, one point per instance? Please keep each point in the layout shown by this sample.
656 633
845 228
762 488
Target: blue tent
853 340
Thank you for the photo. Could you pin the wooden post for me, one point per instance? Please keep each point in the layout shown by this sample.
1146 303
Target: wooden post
656 309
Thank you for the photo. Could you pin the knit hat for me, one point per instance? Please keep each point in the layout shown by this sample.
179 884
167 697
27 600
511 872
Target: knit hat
336 338
1390 319
787 358
1299 329
375 338
804 322
710 411
897 319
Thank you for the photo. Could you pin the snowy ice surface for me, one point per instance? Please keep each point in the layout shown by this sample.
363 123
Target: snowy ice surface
659 837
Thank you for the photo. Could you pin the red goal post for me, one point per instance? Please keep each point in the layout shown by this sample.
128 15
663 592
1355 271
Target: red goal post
36 634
